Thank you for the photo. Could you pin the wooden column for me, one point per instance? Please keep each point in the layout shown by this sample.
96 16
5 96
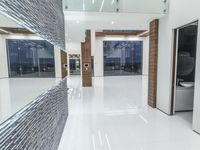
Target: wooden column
153 60
86 61
63 56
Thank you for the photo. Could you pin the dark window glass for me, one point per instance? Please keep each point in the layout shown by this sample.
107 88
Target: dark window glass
30 58
123 58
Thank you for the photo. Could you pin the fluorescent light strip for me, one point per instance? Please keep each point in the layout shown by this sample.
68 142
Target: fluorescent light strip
103 1
112 2
109 147
83 5
100 139
93 142
4 31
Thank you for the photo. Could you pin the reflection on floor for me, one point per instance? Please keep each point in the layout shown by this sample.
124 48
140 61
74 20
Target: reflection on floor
16 93
120 73
113 115
37 75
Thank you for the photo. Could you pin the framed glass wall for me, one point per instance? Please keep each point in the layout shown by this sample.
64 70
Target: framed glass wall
122 58
30 58
74 64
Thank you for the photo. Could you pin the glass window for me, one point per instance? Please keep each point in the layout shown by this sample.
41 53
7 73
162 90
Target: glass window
30 58
123 58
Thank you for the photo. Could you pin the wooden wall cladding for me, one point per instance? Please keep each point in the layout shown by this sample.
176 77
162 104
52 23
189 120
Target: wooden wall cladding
64 70
86 60
153 60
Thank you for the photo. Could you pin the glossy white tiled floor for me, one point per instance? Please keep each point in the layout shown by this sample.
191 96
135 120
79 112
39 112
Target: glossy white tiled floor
113 115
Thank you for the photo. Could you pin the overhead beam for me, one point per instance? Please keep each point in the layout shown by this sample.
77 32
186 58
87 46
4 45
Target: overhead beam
133 33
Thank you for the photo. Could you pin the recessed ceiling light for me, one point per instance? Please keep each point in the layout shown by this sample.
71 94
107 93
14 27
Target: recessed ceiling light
102 4
112 22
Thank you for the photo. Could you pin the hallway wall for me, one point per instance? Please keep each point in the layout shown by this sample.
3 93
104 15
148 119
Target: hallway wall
180 13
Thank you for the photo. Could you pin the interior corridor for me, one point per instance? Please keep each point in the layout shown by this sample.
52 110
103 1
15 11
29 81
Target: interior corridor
114 115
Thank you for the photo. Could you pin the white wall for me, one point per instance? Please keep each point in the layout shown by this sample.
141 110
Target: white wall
3 58
98 53
57 57
145 67
73 48
98 57
180 13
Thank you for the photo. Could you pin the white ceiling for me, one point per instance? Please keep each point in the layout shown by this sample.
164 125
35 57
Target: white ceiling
81 15
78 22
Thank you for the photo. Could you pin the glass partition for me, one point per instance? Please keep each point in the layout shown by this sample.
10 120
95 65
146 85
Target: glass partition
30 58
123 6
122 58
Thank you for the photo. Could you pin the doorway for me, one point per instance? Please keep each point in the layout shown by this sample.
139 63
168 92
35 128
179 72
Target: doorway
74 64
184 64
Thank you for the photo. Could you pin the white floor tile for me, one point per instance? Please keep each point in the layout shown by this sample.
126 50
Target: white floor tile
114 115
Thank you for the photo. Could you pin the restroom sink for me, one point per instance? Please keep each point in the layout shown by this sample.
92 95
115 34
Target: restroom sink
187 84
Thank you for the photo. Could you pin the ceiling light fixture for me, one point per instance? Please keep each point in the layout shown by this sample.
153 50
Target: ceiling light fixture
101 8
83 5
93 1
2 30
112 22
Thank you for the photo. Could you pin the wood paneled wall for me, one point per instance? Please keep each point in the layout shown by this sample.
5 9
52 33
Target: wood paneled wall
63 56
153 60
86 59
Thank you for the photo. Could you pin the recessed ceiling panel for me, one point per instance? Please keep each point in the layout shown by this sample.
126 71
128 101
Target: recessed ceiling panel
43 17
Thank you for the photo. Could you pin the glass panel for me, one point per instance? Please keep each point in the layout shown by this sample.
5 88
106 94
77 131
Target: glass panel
75 66
30 58
133 6
123 58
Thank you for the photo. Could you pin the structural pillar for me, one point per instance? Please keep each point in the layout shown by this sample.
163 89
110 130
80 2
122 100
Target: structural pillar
64 67
86 61
153 62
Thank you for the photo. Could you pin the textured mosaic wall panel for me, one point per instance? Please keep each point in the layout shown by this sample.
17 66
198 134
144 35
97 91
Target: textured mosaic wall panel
43 17
39 125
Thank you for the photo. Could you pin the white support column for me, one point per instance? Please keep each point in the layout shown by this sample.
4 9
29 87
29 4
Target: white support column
3 58
57 58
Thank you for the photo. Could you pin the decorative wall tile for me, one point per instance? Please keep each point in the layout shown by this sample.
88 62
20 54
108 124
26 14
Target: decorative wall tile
43 17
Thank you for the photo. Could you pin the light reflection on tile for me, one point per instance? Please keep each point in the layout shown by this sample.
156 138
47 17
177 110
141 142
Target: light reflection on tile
117 107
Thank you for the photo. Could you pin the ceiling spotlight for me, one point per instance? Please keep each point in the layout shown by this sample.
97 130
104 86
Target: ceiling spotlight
112 22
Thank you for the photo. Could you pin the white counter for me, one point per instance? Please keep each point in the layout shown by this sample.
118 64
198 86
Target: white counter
16 93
